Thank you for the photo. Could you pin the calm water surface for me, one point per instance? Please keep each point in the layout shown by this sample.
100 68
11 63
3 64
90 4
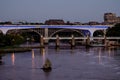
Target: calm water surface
68 64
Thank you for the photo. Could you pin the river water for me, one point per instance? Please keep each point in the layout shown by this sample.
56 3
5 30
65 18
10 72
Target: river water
81 63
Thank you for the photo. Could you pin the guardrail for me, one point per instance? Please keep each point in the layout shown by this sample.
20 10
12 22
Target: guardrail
117 38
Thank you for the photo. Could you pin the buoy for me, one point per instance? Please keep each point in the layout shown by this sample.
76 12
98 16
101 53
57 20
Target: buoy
47 66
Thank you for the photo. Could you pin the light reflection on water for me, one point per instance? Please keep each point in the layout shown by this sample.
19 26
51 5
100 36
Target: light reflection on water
99 53
33 57
13 58
68 64
43 55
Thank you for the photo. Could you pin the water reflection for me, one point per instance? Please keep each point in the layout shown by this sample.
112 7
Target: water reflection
110 52
99 52
57 49
33 57
43 52
13 58
95 63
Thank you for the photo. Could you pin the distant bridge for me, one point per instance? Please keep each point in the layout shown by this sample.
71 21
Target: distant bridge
45 30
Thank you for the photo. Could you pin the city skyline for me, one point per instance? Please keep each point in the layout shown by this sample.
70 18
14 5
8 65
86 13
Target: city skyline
42 10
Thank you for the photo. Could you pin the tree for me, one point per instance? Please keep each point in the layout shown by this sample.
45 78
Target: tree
114 31
10 40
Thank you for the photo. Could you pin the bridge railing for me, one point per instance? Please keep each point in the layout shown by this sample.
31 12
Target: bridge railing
109 38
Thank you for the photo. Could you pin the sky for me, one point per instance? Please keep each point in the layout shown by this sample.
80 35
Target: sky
68 10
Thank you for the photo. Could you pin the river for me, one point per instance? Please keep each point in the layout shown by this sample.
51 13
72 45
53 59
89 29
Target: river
96 63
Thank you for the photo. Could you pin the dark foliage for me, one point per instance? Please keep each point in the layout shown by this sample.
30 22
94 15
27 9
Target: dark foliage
114 31
10 40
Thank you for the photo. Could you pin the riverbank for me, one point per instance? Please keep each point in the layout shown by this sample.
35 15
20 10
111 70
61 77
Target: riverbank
20 49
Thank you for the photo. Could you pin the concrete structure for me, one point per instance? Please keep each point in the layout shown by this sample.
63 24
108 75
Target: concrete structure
49 30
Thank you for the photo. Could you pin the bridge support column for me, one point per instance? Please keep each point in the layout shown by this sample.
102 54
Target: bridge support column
72 41
105 43
88 41
41 41
57 41
46 35
91 33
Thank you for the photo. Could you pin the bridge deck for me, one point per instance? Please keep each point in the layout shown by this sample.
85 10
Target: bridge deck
90 28
54 26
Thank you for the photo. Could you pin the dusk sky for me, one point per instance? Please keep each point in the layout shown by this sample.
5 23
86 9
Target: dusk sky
68 10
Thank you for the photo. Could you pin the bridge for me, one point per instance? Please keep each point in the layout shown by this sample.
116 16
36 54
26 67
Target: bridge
48 32
46 29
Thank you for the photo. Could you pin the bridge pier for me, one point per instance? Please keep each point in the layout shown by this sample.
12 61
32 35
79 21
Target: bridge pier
105 42
41 41
57 41
46 35
46 41
72 41
88 41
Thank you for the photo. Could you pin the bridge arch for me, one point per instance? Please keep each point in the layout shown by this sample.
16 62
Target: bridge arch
32 30
98 33
25 30
72 30
38 34
34 34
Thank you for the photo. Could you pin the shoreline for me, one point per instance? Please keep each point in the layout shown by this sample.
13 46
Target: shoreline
9 50
18 49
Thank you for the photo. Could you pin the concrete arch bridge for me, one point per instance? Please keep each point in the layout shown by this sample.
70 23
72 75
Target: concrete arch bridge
50 31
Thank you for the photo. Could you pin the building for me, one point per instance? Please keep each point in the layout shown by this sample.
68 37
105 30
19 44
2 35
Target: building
55 22
93 23
111 18
118 19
